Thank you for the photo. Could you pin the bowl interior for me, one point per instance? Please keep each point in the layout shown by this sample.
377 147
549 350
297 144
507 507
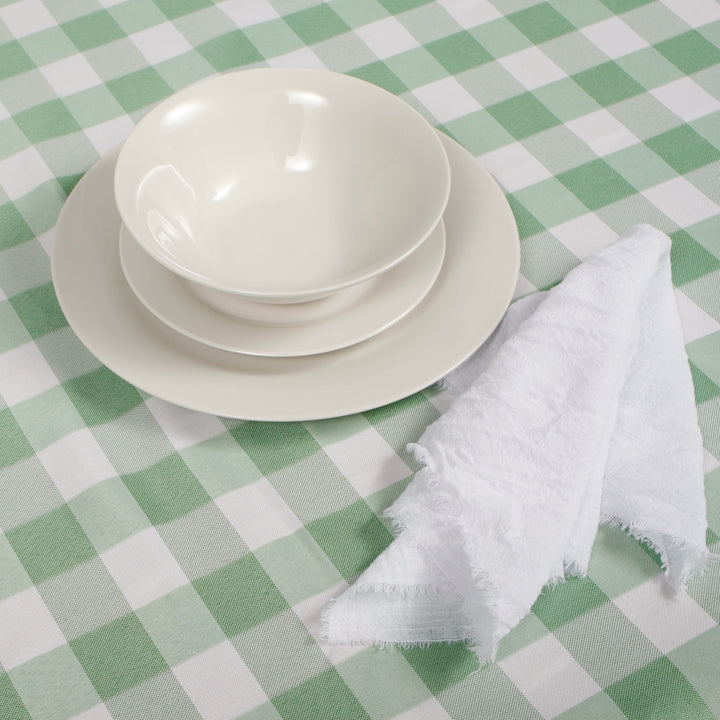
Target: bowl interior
281 182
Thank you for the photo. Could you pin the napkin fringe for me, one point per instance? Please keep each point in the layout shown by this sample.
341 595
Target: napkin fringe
696 558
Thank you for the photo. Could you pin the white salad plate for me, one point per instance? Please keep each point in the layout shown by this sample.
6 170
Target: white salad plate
343 318
281 184
467 301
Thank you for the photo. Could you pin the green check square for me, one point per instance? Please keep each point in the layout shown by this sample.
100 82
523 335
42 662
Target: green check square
608 83
568 600
352 537
101 396
441 665
690 52
139 89
378 73
229 51
458 52
50 544
13 60
541 23
47 120
317 23
118 656
273 446
683 149
176 8
527 223
44 685
395 7
180 625
598 706
89 31
240 595
621 6
39 310
167 490
705 388
523 115
324 696
11 705
596 184
692 660
689 259
658 691
14 578
14 446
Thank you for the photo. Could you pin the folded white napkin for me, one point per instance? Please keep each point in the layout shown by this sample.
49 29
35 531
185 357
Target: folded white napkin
578 411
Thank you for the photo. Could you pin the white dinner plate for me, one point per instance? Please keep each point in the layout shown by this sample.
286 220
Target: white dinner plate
463 307
343 318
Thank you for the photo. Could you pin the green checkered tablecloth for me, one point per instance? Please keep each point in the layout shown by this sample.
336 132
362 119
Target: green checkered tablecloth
161 563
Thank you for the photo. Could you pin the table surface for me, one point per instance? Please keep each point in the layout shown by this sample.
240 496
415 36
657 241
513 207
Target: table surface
161 563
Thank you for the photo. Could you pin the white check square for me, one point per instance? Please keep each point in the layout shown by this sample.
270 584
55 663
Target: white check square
602 132
696 323
23 172
471 13
161 42
584 235
695 13
532 67
686 99
387 37
368 462
549 677
143 568
446 99
71 75
258 513
514 167
26 17
184 427
76 463
110 134
667 620
614 37
219 683
681 201
244 13
27 629
24 373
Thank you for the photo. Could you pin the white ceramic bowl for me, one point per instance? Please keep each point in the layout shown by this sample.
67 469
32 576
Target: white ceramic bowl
281 185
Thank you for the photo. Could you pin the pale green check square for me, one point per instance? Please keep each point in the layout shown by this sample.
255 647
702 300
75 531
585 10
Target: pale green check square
220 464
47 417
53 686
298 566
383 681
26 492
202 541
546 260
108 514
500 37
292 648
180 625
14 579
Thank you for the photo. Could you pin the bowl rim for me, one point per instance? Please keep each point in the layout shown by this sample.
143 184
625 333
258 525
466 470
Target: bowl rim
123 203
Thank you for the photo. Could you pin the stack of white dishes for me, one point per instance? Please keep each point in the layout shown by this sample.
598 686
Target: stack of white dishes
285 244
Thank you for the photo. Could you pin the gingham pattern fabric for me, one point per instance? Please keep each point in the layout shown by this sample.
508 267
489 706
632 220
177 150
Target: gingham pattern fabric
160 563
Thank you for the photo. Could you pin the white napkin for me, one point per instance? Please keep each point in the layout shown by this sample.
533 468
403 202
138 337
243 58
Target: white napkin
578 411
